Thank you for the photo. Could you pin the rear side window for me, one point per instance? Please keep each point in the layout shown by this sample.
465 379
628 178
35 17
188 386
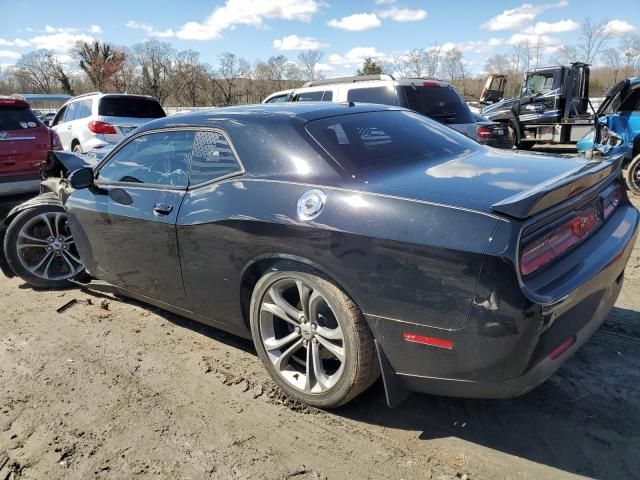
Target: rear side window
381 95
442 104
310 96
278 99
83 110
376 140
632 102
130 107
70 113
16 118
212 158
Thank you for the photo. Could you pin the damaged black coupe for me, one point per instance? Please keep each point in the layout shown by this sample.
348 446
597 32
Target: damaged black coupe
347 241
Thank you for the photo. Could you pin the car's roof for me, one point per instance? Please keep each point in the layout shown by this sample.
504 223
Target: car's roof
301 112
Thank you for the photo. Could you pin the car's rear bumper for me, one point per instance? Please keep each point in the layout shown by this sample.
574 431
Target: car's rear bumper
509 346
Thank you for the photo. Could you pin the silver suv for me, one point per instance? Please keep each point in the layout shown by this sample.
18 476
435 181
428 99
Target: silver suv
97 120
433 98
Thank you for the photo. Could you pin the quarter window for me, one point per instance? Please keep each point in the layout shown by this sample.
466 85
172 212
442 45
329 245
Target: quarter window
381 95
160 158
212 158
310 96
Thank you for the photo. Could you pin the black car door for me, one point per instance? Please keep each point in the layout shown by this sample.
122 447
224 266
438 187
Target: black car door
142 186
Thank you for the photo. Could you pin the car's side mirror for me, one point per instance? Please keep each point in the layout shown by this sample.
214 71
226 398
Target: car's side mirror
81 178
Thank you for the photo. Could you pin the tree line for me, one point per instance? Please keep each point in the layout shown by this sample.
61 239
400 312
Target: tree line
179 78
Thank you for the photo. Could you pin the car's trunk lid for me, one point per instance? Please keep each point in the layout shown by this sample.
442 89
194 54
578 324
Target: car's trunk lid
494 181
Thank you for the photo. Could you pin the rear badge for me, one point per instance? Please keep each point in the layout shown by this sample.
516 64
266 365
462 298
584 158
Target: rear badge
310 204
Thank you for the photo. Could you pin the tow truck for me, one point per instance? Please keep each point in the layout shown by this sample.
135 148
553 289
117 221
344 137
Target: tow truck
553 106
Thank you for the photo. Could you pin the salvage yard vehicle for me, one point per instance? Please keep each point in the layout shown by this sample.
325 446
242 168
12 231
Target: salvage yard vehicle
617 129
346 241
97 120
492 134
434 98
553 106
24 144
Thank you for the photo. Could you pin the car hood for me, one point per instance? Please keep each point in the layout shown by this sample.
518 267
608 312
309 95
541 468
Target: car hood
479 179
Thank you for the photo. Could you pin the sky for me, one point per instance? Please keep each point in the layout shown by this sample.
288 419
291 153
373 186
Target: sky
345 31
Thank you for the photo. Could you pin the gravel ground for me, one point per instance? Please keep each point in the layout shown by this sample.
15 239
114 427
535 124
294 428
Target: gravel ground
133 391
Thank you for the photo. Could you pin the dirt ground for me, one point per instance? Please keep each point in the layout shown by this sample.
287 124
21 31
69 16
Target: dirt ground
132 391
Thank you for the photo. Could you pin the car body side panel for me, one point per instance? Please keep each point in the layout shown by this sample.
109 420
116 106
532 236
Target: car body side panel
422 266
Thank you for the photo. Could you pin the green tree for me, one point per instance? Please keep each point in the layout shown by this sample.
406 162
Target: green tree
370 67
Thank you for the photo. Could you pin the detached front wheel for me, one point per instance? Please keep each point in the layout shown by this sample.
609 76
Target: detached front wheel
40 249
312 338
633 176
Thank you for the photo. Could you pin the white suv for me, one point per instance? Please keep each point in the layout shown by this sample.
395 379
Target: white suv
433 98
97 120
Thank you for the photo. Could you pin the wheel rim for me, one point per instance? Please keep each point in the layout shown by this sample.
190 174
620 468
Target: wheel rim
46 248
301 336
635 176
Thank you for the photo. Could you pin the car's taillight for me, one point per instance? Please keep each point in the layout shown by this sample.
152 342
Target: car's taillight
559 240
611 199
96 126
56 144
484 132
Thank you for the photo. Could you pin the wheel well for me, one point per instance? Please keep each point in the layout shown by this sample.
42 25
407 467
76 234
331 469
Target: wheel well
74 142
257 269
636 147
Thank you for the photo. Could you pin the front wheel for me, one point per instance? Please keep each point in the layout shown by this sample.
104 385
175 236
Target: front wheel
633 176
40 249
312 339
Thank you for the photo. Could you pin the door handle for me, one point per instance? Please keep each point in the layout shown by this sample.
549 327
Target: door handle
162 209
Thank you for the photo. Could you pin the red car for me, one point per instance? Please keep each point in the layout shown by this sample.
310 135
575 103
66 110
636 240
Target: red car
24 143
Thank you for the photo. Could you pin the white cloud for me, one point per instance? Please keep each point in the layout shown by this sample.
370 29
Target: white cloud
19 42
615 27
294 42
355 56
403 14
9 54
247 12
356 22
385 2
95 29
323 67
474 46
519 16
5 43
60 42
542 28
150 31
542 40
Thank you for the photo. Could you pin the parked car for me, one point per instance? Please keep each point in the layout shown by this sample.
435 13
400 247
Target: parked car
96 120
618 118
492 134
433 98
345 240
24 143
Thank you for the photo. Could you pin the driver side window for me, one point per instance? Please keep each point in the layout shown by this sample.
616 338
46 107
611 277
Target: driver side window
160 158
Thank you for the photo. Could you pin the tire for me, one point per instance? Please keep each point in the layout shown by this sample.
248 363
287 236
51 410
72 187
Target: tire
526 145
513 136
60 259
632 176
77 148
335 315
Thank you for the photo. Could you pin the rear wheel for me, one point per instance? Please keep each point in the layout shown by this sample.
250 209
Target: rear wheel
633 176
312 339
40 249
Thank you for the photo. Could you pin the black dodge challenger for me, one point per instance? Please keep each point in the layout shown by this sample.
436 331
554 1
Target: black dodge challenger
348 241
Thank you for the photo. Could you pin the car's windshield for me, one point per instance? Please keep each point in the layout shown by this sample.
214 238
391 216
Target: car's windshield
377 140
130 107
442 104
17 117
538 83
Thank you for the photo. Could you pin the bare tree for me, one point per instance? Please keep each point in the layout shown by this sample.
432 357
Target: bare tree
432 58
566 54
125 79
522 51
36 71
277 66
230 69
154 60
453 67
100 61
500 63
613 59
189 77
309 60
630 48
415 61
593 38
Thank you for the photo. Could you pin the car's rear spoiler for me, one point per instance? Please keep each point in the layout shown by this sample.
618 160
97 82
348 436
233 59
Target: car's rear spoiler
556 190
61 163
